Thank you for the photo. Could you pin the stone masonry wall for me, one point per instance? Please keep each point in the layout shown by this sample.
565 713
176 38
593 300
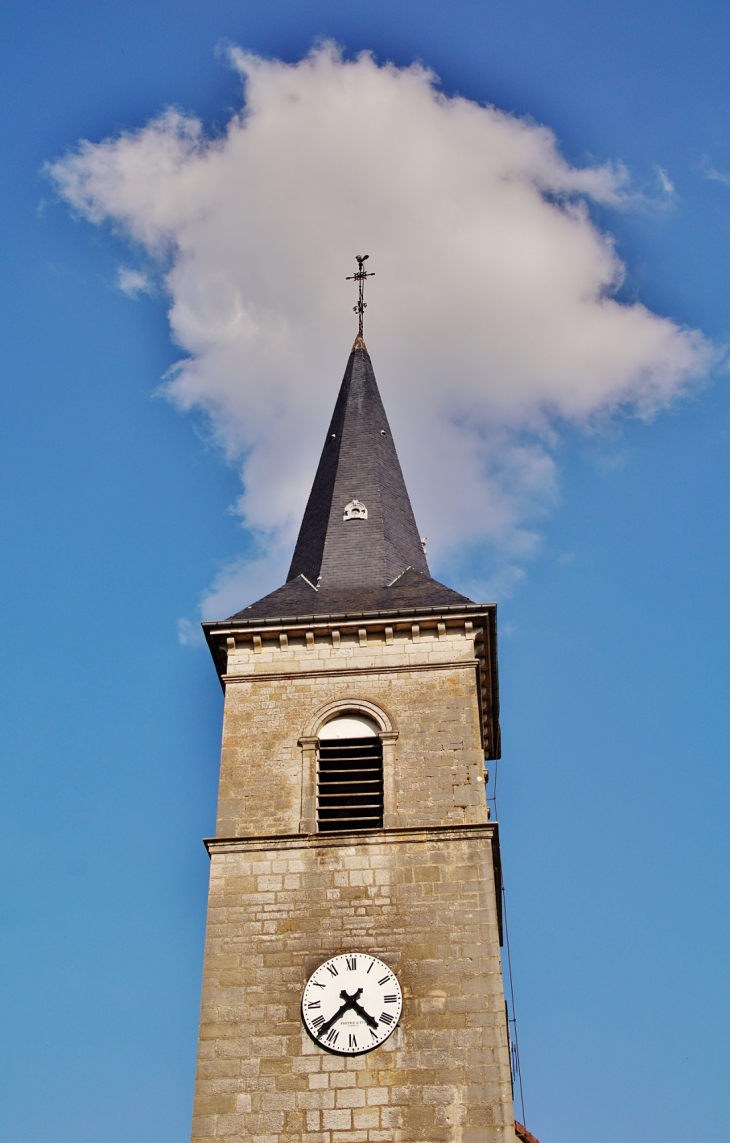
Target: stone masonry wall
422 901
425 685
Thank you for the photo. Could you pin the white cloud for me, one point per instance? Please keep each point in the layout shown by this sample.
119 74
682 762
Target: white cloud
190 634
133 282
711 172
491 319
246 579
665 183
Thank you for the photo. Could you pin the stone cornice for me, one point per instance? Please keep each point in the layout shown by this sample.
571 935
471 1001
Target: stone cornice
349 618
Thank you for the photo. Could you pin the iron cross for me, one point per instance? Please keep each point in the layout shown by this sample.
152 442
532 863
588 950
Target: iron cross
360 277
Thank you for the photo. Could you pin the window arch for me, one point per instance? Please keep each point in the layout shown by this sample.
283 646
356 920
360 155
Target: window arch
349 774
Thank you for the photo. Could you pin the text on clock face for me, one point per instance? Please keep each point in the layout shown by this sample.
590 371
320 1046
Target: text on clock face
351 1003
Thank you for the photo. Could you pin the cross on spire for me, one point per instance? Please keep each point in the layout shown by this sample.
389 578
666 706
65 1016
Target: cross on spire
360 277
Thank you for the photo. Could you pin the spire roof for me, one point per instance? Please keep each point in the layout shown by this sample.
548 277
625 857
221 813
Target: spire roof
358 530
358 547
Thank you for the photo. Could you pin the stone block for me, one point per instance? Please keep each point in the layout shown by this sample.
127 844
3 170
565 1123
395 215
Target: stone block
337 1120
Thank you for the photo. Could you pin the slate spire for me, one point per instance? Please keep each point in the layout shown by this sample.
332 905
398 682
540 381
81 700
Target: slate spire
358 529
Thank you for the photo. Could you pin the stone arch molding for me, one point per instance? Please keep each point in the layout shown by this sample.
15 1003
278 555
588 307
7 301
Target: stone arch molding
309 742
349 706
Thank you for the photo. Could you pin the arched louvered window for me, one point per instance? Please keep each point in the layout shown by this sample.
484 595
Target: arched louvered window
349 775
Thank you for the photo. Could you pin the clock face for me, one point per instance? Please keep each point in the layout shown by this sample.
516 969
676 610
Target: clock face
351 1003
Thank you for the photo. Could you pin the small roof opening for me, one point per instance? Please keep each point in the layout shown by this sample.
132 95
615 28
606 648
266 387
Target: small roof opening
349 726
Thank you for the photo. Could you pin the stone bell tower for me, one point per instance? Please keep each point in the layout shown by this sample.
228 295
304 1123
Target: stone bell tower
360 706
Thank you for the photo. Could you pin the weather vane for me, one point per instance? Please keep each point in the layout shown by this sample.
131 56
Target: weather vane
360 277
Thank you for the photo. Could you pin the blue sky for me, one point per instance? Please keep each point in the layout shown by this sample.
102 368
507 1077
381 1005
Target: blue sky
613 789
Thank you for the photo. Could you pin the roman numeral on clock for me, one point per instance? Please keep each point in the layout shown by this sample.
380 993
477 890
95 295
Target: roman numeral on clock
391 998
386 1018
332 970
385 980
332 1036
352 1042
316 1003
318 1022
351 962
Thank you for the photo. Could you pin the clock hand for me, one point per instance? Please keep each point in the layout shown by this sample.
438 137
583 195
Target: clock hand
365 1015
350 1002
332 1020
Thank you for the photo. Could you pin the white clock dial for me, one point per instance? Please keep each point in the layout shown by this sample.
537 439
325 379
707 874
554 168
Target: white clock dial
351 1003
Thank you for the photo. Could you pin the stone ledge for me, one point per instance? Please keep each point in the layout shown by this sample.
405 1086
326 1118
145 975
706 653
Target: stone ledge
279 671
355 837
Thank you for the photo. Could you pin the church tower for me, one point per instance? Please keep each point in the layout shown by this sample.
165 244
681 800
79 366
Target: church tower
352 985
